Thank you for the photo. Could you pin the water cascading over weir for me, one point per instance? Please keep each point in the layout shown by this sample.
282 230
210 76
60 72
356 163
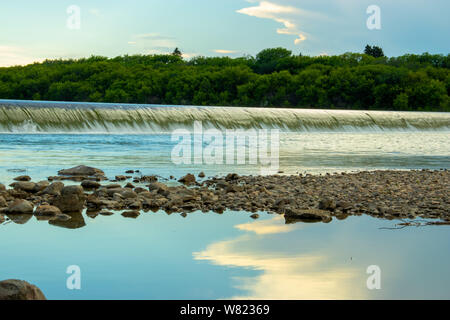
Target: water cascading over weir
73 117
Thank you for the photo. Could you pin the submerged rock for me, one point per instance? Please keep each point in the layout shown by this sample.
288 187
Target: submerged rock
81 171
19 290
22 178
106 213
131 214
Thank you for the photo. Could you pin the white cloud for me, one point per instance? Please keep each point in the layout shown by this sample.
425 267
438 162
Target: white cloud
272 226
282 274
224 51
12 56
285 15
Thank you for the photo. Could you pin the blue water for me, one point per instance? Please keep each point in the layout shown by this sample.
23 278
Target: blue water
211 256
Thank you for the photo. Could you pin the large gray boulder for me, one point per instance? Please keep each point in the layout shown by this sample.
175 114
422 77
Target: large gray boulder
19 290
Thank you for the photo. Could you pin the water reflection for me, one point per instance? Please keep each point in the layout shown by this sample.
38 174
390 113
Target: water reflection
19 218
76 221
287 271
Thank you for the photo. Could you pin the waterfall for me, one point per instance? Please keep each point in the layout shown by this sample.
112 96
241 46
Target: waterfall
68 117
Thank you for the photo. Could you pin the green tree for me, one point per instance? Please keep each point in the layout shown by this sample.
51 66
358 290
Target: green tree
177 52
374 51
268 60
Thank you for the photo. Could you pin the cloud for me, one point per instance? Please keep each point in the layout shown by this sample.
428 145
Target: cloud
13 56
272 226
285 15
284 271
223 51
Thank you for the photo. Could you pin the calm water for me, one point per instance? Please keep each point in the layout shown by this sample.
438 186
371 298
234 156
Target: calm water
211 256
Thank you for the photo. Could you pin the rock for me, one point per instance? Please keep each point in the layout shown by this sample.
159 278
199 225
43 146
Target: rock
118 197
129 186
344 205
188 179
53 189
121 178
2 187
254 216
88 184
129 171
41 185
22 178
327 204
308 215
201 175
24 186
148 179
113 186
106 213
3 203
46 210
19 290
128 193
81 171
71 199
140 190
20 218
20 206
2 218
131 214
231 177
158 187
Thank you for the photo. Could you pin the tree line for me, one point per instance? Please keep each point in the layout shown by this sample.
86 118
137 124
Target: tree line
273 78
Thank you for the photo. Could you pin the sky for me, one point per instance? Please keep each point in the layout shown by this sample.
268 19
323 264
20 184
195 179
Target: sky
36 30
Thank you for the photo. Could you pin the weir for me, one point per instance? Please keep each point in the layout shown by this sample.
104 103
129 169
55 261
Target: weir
72 117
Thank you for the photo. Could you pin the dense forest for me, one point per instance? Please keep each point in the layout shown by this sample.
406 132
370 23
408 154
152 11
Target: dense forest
275 78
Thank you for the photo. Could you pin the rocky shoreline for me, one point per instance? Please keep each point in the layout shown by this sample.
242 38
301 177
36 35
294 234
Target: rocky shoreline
308 198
